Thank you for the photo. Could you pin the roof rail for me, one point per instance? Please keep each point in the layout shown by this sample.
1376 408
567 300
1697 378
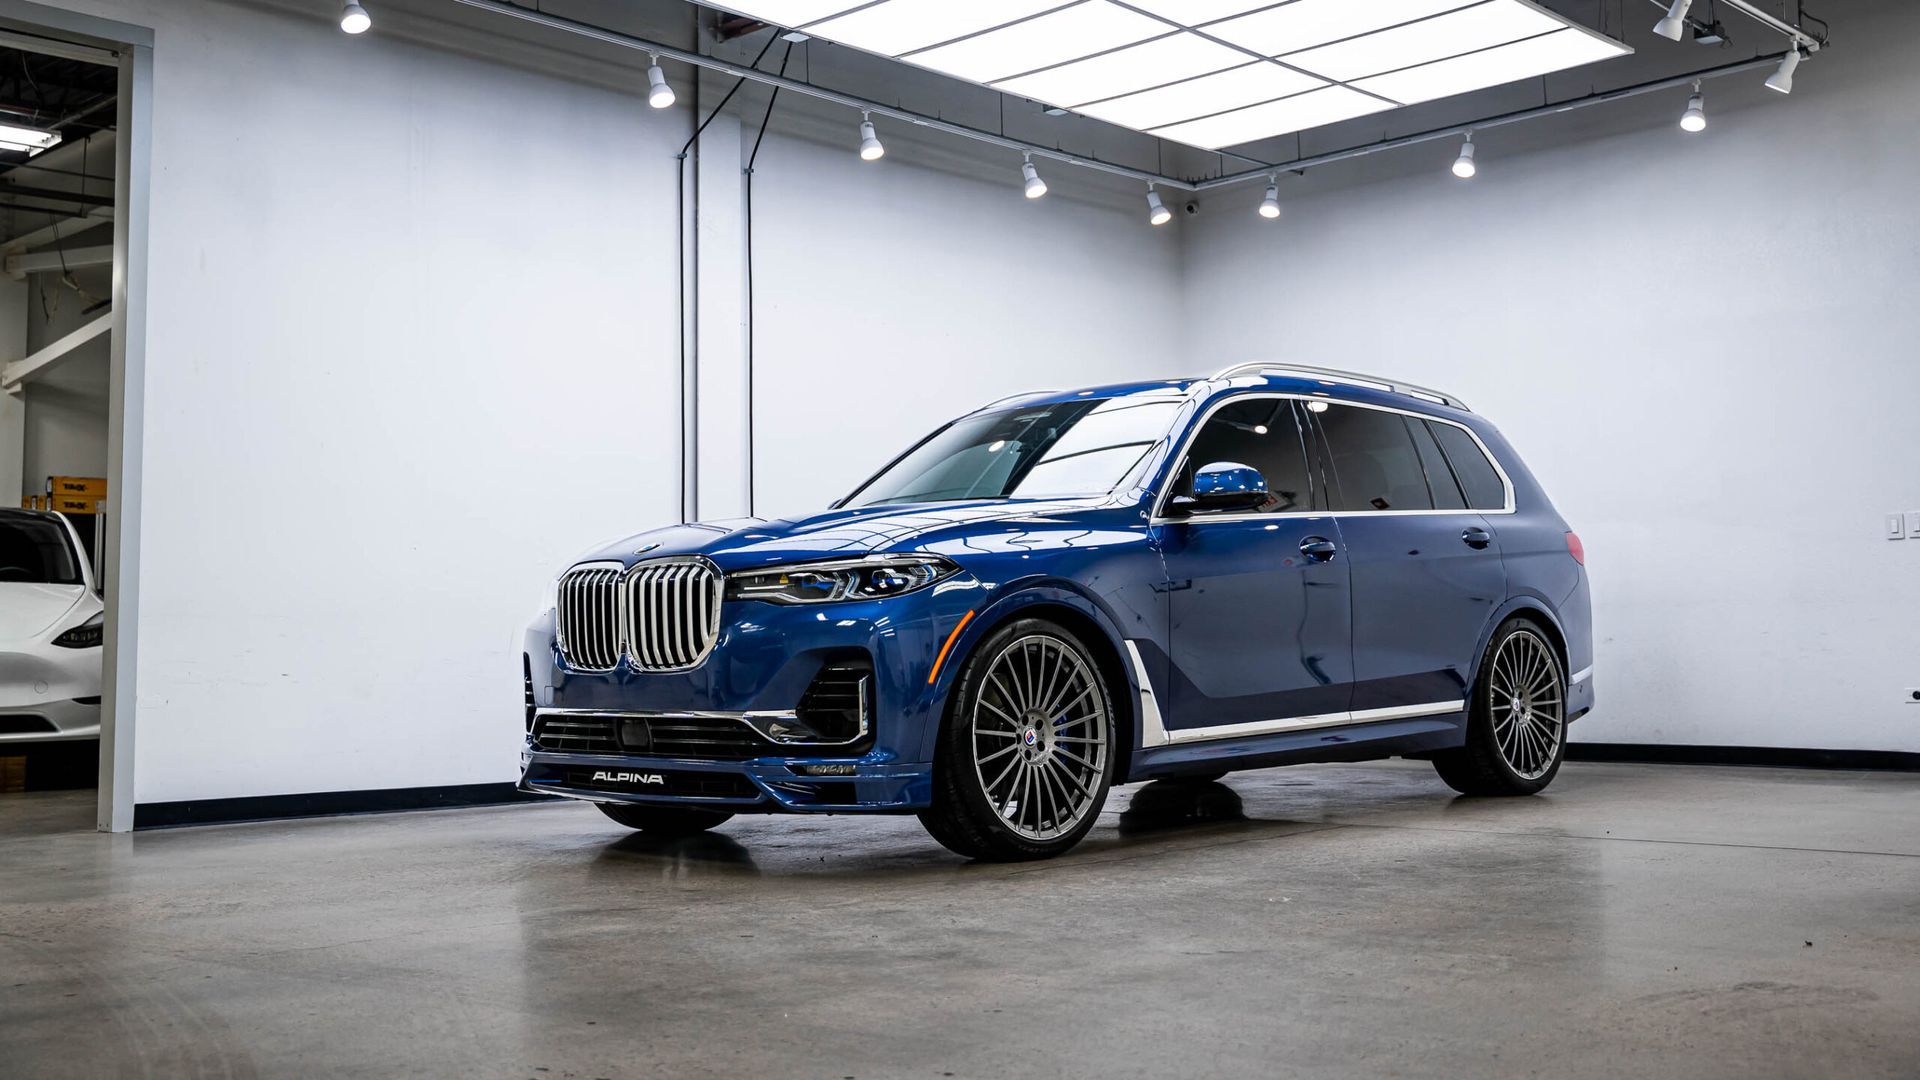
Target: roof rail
1351 378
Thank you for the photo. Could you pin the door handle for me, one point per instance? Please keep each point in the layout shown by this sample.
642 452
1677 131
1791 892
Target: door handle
1318 548
1477 538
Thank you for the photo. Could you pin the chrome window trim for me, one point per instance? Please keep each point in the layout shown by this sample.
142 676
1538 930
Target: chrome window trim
1156 517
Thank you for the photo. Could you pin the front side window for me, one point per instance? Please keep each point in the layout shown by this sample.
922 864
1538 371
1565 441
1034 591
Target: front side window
1073 448
1264 433
1376 465
35 549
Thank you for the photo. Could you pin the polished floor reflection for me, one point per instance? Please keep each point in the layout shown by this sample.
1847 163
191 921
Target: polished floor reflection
1318 921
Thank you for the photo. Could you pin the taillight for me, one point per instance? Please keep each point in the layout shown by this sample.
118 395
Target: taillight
1576 549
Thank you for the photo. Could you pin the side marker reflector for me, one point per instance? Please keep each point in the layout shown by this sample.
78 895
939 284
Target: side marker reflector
948 647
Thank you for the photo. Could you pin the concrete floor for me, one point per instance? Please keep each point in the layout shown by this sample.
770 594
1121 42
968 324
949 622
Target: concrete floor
1325 921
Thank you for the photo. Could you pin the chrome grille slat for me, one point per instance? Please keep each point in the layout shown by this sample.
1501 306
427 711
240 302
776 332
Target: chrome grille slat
662 615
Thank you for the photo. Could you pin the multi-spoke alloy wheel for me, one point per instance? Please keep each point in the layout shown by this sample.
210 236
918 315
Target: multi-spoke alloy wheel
1517 718
1026 757
1527 704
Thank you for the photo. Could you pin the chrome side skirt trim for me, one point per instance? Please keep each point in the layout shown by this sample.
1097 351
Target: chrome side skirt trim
1153 728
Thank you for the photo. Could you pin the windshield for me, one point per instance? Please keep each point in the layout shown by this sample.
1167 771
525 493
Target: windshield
34 548
1042 451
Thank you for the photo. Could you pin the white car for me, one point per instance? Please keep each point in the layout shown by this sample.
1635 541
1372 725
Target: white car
51 624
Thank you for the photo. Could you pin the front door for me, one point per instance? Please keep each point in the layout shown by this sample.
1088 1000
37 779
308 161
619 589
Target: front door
1258 600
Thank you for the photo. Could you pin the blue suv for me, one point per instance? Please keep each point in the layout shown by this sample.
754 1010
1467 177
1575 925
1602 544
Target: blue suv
1072 589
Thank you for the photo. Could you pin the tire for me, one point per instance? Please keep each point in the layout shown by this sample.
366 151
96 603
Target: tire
664 820
1025 756
1517 721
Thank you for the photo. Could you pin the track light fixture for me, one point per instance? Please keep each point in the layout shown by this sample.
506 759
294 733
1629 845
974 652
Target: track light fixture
870 148
1157 212
1270 206
659 94
1695 118
1035 186
354 18
1674 26
1463 166
1782 77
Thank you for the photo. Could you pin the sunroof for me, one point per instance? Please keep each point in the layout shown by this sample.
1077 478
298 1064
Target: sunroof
1210 73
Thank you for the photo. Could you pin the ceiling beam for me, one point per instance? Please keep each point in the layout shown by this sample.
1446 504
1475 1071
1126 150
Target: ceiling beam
44 261
14 376
59 230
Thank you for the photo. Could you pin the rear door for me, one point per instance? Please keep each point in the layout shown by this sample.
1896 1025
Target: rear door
1426 567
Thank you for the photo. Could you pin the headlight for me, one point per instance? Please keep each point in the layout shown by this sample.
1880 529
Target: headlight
870 578
85 636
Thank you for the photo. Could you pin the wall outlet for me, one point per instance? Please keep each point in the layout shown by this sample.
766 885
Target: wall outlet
1896 526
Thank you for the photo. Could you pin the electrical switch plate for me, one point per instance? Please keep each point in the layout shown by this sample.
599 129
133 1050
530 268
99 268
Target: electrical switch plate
1913 523
1896 526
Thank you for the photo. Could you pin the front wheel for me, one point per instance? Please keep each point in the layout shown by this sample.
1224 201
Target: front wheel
663 820
1517 721
1026 755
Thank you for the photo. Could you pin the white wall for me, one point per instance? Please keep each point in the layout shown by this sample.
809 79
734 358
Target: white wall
1704 347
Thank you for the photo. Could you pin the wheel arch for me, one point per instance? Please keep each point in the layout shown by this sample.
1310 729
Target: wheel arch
1080 615
1534 610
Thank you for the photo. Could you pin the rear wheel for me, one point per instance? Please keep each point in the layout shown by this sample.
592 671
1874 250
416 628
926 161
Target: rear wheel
663 820
1517 721
1026 755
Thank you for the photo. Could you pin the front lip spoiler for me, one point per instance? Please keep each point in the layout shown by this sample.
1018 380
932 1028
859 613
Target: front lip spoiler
779 782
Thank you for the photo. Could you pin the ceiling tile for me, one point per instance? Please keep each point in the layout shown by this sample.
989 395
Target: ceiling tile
1311 109
899 26
1306 23
1069 34
1246 85
1136 67
1479 27
1491 67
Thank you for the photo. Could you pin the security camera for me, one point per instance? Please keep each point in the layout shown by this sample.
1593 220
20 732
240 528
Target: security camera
1193 207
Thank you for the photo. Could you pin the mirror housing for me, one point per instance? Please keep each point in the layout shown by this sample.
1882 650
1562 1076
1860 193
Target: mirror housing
1221 487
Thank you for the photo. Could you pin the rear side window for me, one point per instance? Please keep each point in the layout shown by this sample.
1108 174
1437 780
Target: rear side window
1375 463
1478 478
1263 433
1440 479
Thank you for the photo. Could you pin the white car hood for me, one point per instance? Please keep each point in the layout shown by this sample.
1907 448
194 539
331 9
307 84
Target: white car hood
30 610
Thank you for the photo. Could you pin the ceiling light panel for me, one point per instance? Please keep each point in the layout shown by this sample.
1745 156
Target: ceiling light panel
901 26
1210 73
1056 38
1535 56
1453 34
1305 23
1311 109
1249 84
1123 71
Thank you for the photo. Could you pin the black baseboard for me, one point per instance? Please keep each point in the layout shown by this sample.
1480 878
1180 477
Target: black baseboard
1771 756
325 803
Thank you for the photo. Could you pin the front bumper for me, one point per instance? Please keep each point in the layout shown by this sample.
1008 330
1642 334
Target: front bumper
765 659
49 694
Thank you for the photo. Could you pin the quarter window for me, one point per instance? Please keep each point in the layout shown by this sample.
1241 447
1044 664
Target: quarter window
1261 432
1478 478
1440 479
1375 463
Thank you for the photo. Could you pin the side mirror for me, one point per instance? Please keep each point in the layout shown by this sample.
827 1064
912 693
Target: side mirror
1221 487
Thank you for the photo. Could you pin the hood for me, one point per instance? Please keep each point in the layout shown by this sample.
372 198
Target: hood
850 533
30 610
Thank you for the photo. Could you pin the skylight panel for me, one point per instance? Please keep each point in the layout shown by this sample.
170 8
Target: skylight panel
1195 12
1081 30
789 12
1478 27
1246 85
1306 23
900 26
1311 109
1491 67
1137 67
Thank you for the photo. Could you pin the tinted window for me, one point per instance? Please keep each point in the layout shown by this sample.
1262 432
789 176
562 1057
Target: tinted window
1072 448
34 548
1263 433
1440 480
1478 478
1375 465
